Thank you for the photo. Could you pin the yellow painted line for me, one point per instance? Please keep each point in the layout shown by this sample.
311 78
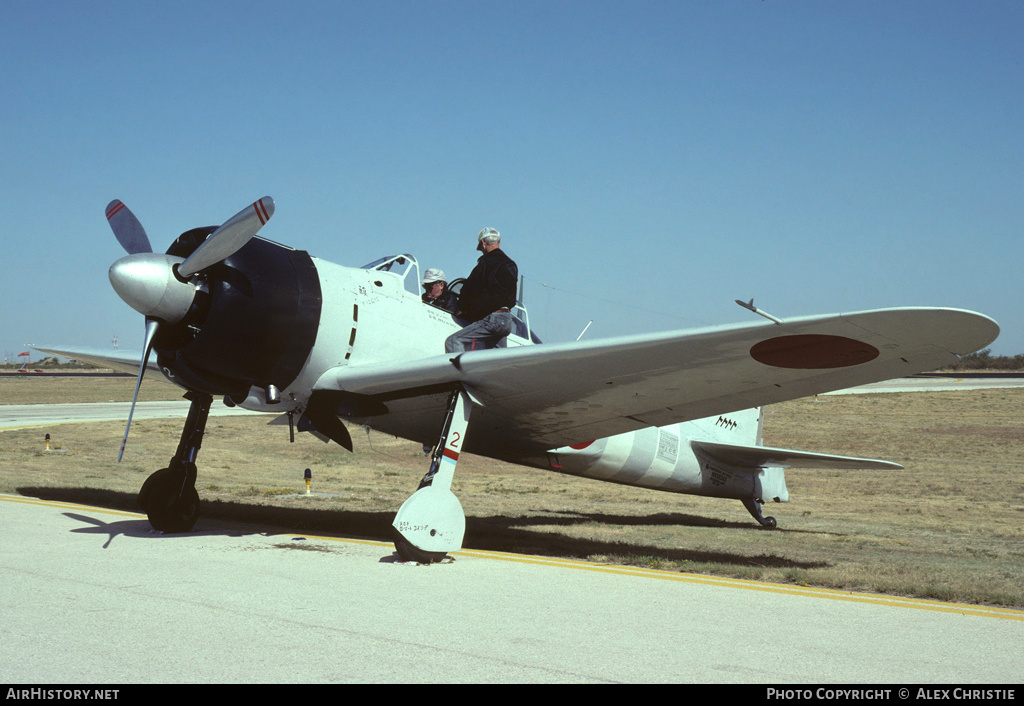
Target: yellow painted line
620 570
21 500
811 591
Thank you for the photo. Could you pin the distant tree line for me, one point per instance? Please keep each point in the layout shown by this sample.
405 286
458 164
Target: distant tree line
47 363
984 360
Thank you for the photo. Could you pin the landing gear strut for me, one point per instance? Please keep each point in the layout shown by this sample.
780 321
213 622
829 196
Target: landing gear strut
169 497
754 508
431 522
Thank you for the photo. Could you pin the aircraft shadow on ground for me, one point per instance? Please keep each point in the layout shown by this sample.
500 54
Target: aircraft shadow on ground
497 533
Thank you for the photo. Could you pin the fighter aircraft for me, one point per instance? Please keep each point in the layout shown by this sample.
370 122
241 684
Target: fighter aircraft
274 329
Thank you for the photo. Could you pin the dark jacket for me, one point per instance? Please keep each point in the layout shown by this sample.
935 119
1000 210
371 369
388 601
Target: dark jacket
490 286
446 301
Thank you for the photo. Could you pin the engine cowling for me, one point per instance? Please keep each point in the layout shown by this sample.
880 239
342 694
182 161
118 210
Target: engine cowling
253 320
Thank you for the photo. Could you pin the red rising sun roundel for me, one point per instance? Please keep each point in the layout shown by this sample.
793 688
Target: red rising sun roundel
812 351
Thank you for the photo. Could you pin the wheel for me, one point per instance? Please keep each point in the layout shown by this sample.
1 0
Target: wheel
176 514
154 486
168 507
770 523
407 552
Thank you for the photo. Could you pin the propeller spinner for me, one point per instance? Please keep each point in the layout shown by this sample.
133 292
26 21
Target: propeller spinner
161 287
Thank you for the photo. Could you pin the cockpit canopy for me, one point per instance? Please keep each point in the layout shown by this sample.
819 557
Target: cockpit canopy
404 267
407 270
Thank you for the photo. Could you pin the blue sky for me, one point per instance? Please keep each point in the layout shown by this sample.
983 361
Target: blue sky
646 162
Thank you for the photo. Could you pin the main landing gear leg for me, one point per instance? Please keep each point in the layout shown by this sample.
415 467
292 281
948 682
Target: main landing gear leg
169 496
754 508
431 522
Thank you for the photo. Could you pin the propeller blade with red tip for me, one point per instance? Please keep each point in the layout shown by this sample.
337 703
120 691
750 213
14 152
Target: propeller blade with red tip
229 238
127 229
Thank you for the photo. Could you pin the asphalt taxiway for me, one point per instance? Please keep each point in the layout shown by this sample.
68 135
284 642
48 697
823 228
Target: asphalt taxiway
18 416
92 595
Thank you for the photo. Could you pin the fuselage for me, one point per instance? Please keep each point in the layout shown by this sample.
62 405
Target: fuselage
372 314
272 321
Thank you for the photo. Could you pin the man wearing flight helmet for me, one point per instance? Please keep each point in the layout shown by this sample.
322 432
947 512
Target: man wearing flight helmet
486 298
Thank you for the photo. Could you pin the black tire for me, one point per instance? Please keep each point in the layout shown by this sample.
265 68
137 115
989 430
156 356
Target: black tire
168 507
407 552
156 485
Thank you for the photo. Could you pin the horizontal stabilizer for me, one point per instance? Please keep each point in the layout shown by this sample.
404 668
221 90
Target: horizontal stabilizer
755 457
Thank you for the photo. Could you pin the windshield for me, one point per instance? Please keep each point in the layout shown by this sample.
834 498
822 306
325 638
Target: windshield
403 266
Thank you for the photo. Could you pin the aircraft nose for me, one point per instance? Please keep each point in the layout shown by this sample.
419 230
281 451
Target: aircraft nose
146 283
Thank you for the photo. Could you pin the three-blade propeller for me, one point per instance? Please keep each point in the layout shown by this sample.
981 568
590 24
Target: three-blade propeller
148 283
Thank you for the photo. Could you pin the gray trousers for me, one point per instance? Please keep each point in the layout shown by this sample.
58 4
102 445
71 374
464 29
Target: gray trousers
488 332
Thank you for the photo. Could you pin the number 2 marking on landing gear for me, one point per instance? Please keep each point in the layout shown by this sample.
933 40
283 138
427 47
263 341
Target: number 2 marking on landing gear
454 443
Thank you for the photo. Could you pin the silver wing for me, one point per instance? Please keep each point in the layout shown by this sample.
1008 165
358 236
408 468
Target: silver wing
126 361
541 397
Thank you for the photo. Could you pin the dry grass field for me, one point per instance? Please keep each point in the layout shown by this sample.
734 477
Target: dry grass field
948 527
